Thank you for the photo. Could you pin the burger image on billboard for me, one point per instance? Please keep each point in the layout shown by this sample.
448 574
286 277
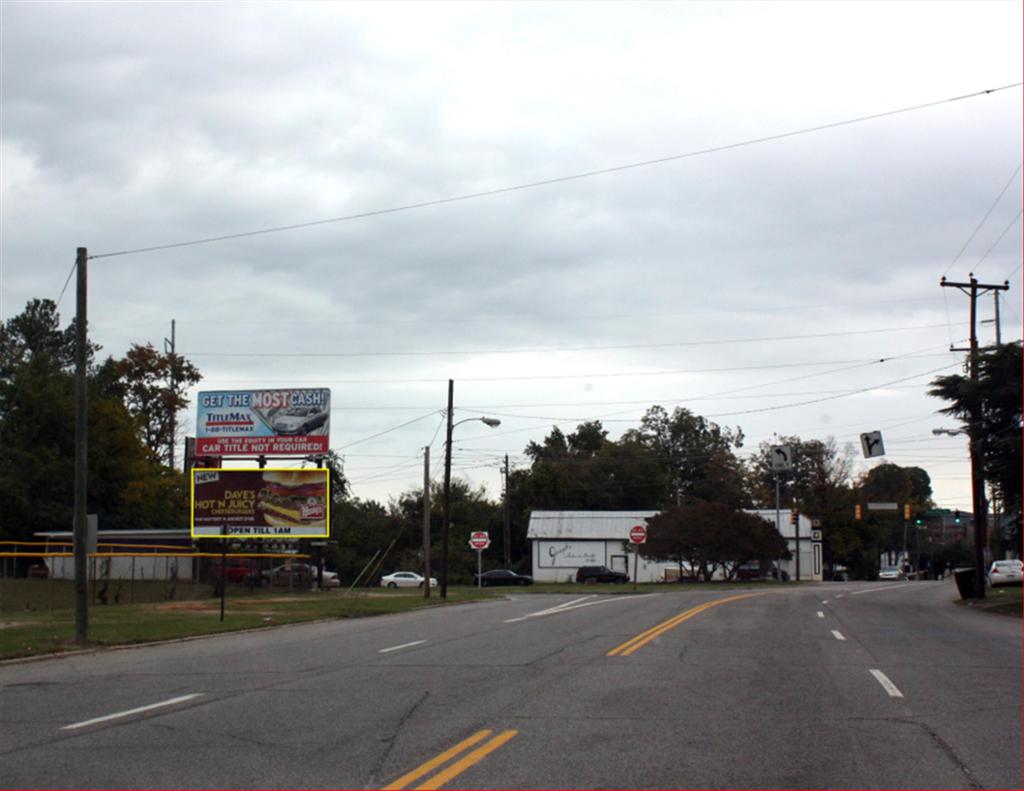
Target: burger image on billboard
290 499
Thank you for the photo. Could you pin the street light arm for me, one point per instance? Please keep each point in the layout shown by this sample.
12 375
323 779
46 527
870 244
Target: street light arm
446 503
493 422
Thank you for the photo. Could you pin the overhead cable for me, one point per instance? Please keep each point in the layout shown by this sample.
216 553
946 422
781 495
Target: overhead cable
558 179
563 349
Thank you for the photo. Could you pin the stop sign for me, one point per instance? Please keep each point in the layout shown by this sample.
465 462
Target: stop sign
638 534
479 539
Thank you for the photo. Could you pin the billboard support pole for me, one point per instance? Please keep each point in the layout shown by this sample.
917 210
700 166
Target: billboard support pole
223 567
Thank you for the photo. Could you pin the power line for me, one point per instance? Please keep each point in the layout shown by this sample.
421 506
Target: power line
563 349
558 179
991 208
591 375
562 420
386 431
490 319
998 239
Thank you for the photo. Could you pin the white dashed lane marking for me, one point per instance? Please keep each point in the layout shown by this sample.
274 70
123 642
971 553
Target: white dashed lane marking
887 685
128 713
837 635
403 645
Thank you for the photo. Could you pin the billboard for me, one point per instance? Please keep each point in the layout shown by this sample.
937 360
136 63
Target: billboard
270 503
283 422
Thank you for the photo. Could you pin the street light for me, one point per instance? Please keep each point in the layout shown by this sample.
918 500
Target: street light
487 421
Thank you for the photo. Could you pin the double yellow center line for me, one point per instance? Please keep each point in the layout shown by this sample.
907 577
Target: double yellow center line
642 639
456 768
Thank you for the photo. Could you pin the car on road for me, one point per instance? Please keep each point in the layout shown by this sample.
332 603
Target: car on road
405 579
501 577
754 571
1005 572
592 574
891 573
298 419
300 575
237 570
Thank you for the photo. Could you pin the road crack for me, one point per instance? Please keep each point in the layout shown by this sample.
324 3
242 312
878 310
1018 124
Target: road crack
943 745
390 740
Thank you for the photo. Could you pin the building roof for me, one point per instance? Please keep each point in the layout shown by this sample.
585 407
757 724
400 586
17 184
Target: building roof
598 525
611 525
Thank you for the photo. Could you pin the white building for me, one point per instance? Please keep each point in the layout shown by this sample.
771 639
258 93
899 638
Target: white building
563 541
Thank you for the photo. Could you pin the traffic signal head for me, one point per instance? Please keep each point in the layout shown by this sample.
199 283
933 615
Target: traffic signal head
918 521
856 511
956 516
906 513
794 516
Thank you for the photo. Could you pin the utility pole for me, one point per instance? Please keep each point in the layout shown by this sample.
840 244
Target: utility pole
426 522
978 503
446 504
81 457
169 348
507 521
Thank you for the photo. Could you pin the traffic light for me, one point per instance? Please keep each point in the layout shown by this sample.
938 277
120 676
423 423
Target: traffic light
956 516
856 511
794 517
918 520
906 513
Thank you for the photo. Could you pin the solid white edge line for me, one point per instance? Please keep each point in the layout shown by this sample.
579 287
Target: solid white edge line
837 635
128 713
403 645
887 685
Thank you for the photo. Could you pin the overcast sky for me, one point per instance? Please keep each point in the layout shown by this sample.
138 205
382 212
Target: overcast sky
741 283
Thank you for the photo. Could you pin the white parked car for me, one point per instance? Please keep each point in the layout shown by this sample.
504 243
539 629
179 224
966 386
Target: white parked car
891 573
405 579
1006 572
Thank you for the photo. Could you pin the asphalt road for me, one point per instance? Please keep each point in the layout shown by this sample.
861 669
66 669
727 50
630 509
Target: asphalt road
858 685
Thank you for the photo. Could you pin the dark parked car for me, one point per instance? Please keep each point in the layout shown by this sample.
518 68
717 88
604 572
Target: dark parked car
501 577
753 570
600 574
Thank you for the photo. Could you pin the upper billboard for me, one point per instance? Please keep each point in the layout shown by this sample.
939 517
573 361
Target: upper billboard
292 422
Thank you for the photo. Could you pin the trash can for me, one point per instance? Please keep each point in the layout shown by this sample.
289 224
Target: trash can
965 583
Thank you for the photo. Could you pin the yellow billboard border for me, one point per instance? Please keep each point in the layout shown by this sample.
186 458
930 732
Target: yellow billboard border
326 534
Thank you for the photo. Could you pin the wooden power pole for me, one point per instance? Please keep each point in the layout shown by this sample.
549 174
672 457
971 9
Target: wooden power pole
978 503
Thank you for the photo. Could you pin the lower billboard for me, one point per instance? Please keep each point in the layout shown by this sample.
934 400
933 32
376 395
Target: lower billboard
269 503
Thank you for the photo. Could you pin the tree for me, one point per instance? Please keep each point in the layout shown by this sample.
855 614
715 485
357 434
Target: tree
818 485
997 395
153 387
470 510
706 536
893 483
587 471
697 455
890 483
37 409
